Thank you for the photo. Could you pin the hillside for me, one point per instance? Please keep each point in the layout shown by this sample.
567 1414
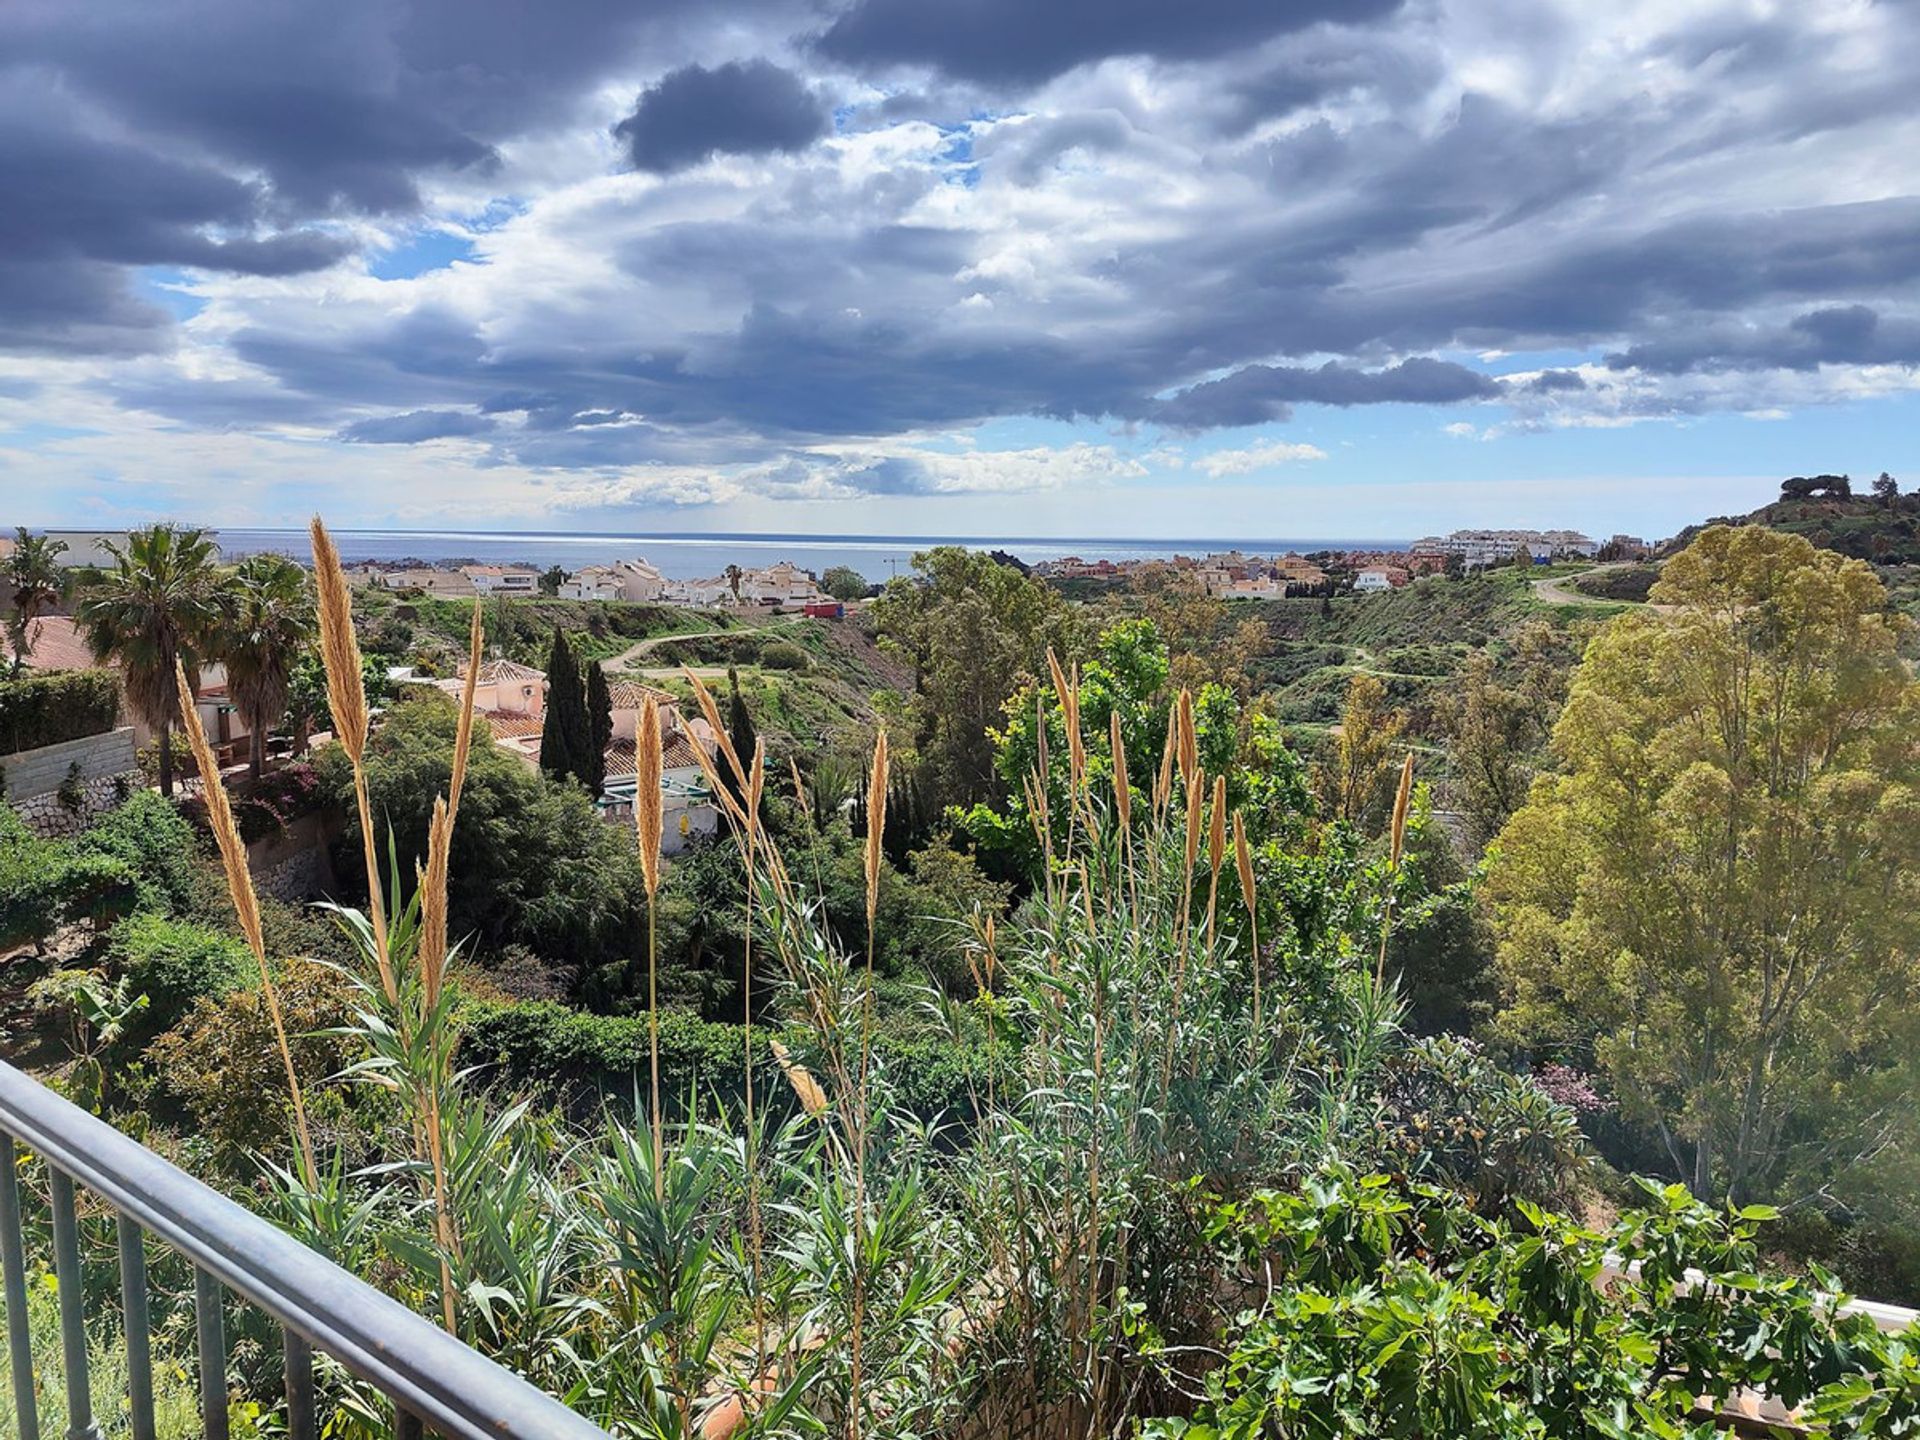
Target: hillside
1415 639
1884 532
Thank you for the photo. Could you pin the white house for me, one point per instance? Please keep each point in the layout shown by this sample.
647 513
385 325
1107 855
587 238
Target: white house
502 579
1372 580
633 580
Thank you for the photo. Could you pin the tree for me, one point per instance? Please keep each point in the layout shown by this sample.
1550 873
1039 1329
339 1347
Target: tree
973 631
565 735
739 725
1805 487
843 582
552 579
33 575
532 863
734 575
159 603
266 625
1352 777
1886 488
599 729
1718 898
1495 730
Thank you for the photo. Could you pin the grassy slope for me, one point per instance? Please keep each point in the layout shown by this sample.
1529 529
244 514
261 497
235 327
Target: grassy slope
1415 639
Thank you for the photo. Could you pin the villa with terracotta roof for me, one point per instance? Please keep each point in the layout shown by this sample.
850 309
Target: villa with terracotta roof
512 699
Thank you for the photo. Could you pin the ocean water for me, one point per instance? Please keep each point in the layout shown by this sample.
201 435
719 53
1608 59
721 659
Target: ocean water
694 556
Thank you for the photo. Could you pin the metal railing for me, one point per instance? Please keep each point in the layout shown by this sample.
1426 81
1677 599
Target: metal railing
436 1383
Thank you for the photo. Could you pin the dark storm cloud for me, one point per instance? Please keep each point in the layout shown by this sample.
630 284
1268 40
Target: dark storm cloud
1261 393
1556 382
212 133
1836 335
1020 42
750 107
416 425
1292 180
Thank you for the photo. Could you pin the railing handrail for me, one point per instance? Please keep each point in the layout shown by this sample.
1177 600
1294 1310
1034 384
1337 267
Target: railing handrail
453 1389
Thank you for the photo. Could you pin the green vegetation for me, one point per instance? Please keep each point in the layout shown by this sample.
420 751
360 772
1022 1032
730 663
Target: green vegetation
46 707
158 608
1119 1045
1713 899
34 582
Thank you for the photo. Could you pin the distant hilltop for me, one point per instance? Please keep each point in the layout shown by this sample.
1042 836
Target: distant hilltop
1872 522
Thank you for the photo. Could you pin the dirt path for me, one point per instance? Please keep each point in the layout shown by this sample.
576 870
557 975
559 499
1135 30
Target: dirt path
1554 591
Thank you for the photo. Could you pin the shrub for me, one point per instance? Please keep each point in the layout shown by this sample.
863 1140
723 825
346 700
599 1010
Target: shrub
223 1063
1456 1117
155 843
784 655
48 883
266 806
175 963
46 707
1397 1312
574 1056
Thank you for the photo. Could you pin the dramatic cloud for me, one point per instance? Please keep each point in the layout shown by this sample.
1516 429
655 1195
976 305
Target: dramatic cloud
1261 393
740 108
812 250
1012 41
415 426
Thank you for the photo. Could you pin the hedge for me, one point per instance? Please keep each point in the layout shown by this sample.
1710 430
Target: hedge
575 1056
46 707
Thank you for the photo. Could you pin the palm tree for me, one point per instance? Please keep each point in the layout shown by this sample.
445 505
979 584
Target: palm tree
34 575
267 623
160 603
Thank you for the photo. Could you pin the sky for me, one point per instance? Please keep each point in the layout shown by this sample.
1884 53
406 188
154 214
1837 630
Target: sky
1078 268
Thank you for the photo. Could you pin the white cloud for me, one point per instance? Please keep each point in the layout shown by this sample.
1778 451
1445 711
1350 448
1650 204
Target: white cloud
1258 457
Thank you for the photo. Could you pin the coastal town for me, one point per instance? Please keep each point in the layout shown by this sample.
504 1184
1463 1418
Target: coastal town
784 587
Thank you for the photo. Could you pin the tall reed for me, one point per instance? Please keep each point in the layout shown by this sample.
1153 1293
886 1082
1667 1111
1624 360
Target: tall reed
649 815
352 721
1397 834
246 907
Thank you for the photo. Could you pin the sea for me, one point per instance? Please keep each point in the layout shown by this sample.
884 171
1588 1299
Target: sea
692 556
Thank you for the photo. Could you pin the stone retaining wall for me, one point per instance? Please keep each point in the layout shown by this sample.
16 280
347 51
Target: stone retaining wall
101 768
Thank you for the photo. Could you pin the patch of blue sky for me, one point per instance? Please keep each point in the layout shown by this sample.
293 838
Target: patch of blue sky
170 289
38 432
420 253
956 156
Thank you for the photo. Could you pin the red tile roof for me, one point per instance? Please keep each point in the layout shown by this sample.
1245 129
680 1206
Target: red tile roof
510 724
56 645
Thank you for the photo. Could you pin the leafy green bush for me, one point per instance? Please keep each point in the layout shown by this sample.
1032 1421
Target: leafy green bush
46 707
573 1055
784 655
29 890
155 843
1379 1308
1458 1118
48 883
175 963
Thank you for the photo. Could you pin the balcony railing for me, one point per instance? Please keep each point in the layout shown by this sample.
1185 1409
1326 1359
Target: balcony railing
436 1383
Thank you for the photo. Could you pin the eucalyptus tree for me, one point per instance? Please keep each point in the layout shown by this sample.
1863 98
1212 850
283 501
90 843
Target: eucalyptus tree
157 604
1718 895
266 625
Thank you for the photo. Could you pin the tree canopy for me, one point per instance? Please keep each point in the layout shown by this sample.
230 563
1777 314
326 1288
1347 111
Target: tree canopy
1717 898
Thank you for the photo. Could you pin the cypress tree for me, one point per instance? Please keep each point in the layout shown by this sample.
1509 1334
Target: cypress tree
563 737
599 729
739 727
